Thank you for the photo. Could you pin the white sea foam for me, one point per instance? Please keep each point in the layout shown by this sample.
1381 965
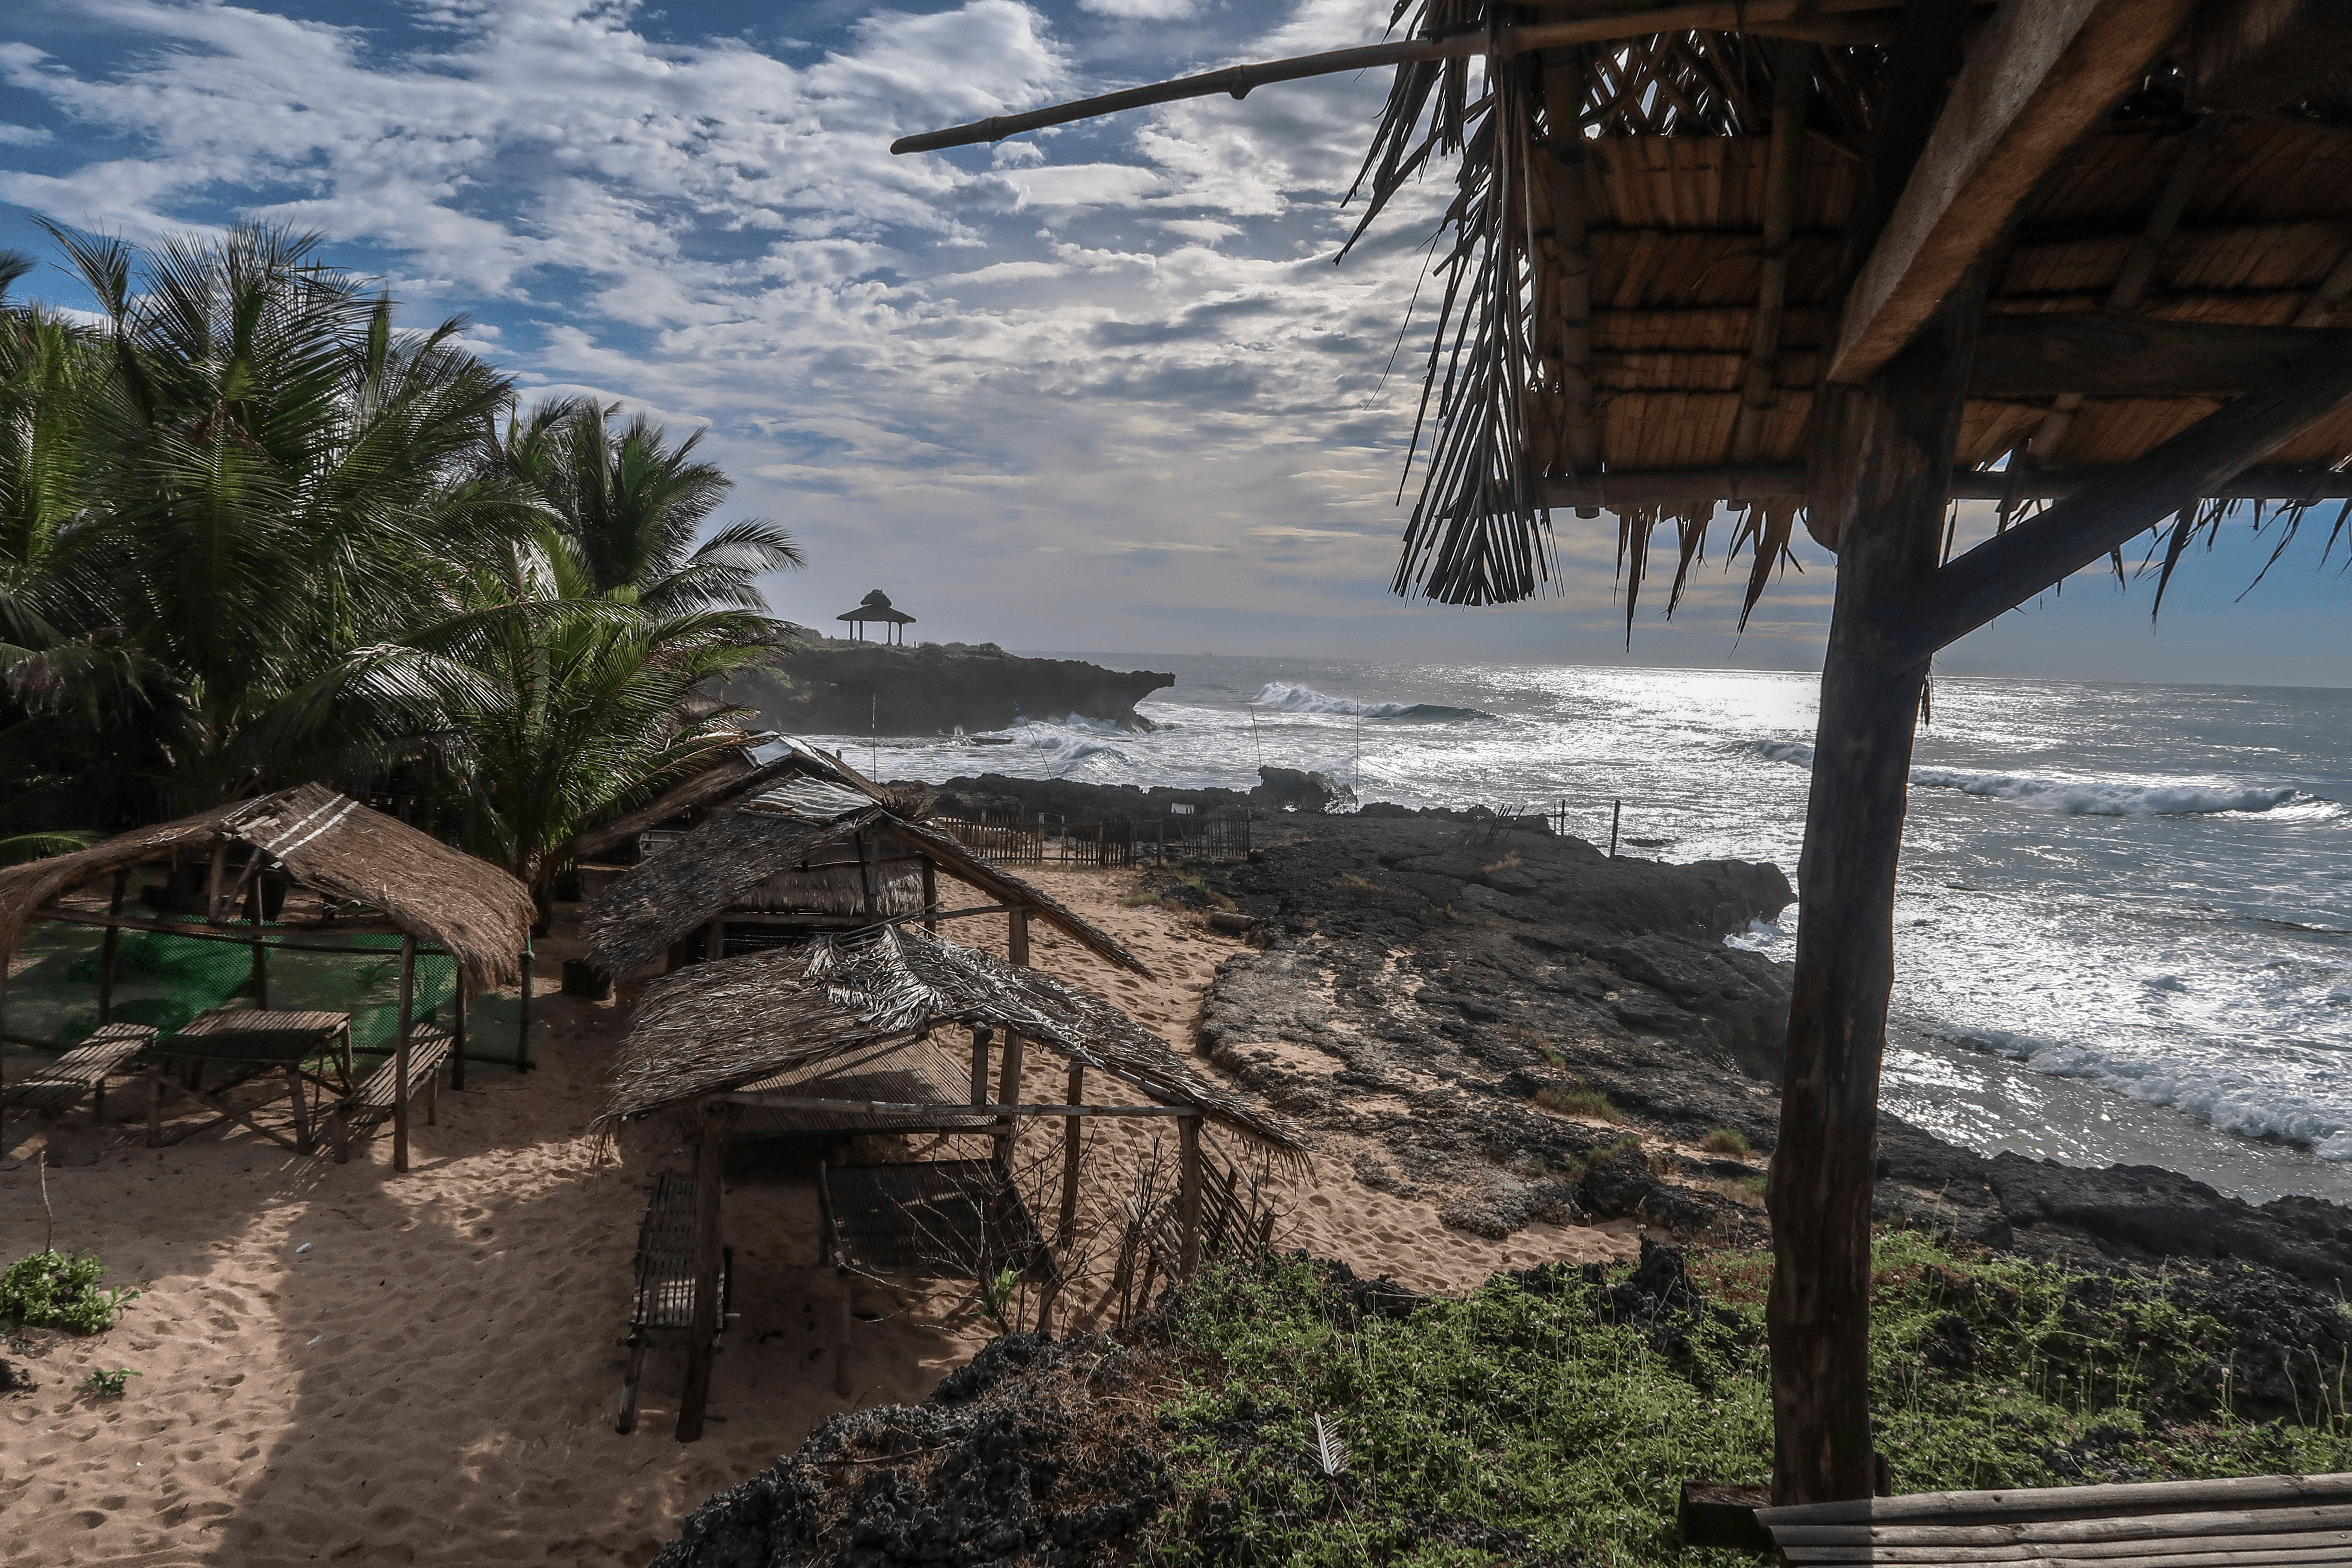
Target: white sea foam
1071 741
2098 797
1289 697
2223 1096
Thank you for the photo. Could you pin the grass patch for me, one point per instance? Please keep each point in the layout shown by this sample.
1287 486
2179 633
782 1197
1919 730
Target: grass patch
57 1289
1552 1425
1586 1102
1361 884
1725 1140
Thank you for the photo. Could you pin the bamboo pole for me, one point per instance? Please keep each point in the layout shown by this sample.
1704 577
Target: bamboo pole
710 1258
522 1024
457 1033
930 896
258 976
400 1055
980 1037
1008 1092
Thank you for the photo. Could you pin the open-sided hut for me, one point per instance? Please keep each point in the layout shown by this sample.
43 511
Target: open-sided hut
803 849
876 609
305 870
1851 262
754 1034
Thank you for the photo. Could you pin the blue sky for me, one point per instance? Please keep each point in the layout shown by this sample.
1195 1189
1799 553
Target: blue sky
1100 389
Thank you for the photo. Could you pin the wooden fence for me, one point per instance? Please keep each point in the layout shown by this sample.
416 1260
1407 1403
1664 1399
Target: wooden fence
1051 839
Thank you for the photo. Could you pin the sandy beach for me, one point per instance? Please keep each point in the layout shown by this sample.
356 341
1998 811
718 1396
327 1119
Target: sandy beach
340 1364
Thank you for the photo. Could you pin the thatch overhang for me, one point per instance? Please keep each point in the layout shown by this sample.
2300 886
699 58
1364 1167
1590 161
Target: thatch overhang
481 916
741 772
709 871
719 1026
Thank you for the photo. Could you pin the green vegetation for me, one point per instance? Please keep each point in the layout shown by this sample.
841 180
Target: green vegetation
253 533
109 1385
1725 1140
1586 1102
56 1289
1555 1423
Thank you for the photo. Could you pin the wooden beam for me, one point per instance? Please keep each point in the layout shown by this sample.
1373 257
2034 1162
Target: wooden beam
1657 487
2041 74
2043 550
1796 18
2260 55
1886 457
768 1100
2112 354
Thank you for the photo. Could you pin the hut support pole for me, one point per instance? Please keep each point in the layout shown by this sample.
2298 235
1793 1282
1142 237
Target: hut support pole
106 946
980 1035
1008 1092
1016 938
1886 445
1072 1139
930 896
714 942
709 1190
458 1032
1188 1195
257 982
400 1054
523 1024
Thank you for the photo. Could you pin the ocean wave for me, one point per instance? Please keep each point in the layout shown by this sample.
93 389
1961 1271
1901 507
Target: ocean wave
2221 1097
2093 797
1070 743
1285 697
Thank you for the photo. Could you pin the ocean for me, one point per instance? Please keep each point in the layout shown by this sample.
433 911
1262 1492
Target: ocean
2124 932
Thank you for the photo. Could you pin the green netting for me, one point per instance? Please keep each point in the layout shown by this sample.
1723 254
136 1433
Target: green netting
167 980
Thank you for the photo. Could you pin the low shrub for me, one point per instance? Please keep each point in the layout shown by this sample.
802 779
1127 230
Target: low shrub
1586 1102
1725 1140
57 1289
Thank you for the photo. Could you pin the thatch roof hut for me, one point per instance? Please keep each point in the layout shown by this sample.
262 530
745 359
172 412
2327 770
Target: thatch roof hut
718 1028
877 607
1854 262
318 840
806 844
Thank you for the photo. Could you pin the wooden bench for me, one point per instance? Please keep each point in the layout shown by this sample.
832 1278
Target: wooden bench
371 1105
2254 1521
664 1293
53 1088
246 1044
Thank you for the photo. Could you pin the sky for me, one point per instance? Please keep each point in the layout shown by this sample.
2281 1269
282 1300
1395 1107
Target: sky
1098 388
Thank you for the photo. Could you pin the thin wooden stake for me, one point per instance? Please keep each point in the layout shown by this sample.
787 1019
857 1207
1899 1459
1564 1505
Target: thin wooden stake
400 1055
106 947
709 1259
1073 1136
1188 1195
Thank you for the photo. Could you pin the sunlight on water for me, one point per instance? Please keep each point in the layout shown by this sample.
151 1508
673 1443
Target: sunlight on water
2125 930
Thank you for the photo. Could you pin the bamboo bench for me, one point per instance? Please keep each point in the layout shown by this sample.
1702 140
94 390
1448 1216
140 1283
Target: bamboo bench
2254 1521
664 1294
371 1105
84 1070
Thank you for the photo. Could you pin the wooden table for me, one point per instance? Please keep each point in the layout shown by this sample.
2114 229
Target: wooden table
254 1041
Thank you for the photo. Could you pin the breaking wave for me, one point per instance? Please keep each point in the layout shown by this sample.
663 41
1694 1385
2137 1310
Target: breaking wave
1287 698
2091 797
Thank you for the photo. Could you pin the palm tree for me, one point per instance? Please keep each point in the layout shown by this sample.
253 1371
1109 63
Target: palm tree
282 475
631 504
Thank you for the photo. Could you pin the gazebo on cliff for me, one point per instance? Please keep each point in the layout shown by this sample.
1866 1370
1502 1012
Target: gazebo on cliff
876 607
1845 264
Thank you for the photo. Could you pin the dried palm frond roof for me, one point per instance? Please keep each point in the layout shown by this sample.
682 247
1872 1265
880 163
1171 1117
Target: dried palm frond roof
1662 212
479 914
733 772
811 803
720 1027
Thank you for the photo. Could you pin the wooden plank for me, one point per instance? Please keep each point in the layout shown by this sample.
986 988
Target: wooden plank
2042 73
2043 550
902 1108
1660 487
2122 1527
2047 1502
2112 354
2093 1554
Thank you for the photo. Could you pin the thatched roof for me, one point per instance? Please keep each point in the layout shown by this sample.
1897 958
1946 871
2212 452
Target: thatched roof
327 842
736 772
724 1025
876 606
709 871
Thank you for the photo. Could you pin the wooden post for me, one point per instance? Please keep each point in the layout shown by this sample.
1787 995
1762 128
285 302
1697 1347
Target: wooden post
1008 1092
714 941
1016 938
259 978
457 1029
522 1024
1881 482
213 883
1073 1133
1188 1194
930 896
106 947
400 1055
709 1192
870 894
980 1035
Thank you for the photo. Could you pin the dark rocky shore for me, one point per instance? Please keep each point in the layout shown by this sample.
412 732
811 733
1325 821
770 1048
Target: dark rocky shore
845 687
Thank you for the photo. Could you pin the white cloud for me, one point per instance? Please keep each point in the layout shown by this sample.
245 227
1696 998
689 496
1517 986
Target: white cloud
1143 10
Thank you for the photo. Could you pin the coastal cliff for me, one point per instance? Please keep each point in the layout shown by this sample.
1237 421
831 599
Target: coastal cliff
845 687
